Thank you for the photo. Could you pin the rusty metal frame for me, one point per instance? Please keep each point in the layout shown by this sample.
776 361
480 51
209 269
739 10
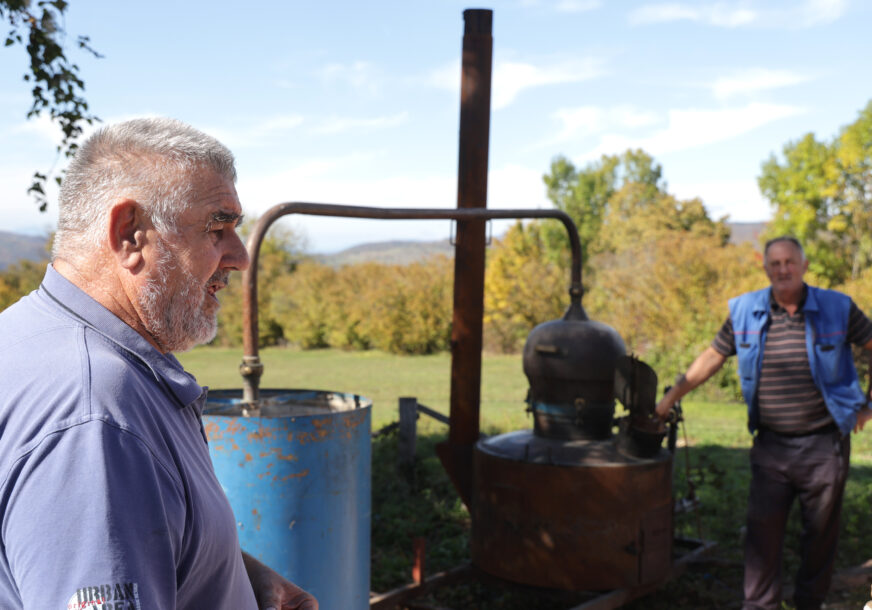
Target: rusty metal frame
693 550
251 368
619 597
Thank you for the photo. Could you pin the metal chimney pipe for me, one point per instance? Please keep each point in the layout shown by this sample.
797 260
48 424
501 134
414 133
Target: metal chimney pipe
466 333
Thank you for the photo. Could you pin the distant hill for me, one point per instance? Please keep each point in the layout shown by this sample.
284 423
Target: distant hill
401 252
396 252
15 247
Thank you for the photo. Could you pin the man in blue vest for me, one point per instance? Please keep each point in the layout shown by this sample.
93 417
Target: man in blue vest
793 342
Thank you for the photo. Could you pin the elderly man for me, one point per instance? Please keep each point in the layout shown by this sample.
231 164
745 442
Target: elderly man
107 493
798 378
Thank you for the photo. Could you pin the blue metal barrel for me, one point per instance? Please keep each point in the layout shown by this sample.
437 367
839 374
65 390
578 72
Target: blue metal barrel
297 474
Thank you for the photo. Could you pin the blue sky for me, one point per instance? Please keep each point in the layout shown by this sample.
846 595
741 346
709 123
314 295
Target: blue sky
358 102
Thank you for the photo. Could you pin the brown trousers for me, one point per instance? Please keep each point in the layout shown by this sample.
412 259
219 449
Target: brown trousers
814 469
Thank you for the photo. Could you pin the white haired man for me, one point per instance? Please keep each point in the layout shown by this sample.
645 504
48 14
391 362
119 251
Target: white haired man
108 498
793 343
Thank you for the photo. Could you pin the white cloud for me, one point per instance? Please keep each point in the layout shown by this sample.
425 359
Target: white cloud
587 120
818 12
322 181
510 78
754 80
316 180
252 134
564 6
271 129
717 14
577 6
360 75
509 187
691 128
42 127
739 13
515 186
580 121
18 100
255 134
739 199
336 125
663 13
19 212
279 123
445 77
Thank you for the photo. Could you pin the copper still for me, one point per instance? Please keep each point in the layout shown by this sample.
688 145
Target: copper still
570 504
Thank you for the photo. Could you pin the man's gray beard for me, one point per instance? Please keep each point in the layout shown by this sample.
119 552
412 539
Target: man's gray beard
175 318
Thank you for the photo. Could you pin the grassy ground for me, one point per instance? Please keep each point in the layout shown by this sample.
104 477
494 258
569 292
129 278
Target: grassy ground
381 377
426 505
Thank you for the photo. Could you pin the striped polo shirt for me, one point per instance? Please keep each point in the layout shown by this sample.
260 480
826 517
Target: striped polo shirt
789 400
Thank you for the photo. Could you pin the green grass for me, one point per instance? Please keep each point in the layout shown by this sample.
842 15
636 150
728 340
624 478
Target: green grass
426 505
381 377
717 448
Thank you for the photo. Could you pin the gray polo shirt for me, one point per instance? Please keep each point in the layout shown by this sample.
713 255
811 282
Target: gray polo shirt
108 498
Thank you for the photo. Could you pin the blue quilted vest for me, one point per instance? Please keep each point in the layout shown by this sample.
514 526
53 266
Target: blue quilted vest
829 354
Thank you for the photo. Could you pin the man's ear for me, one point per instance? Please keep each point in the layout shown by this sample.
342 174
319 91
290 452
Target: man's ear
127 233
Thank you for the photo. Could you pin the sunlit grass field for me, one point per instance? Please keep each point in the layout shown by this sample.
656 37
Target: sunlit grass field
717 442
384 378
381 377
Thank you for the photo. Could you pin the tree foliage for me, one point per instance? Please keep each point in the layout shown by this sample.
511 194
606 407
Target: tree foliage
619 200
523 288
57 89
584 195
658 269
402 309
19 279
821 192
280 251
667 297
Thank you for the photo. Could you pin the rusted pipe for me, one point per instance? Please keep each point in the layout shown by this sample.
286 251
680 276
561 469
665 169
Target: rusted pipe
251 367
469 257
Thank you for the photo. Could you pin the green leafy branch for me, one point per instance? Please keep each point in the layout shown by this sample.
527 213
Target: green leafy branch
57 88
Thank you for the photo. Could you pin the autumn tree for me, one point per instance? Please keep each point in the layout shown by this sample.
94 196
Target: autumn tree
280 252
523 288
584 195
410 309
667 296
403 309
617 200
302 302
821 193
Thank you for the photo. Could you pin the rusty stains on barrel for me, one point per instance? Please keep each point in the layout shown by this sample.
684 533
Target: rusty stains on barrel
299 457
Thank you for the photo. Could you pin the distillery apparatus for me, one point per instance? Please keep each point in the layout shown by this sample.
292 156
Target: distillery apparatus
569 504
582 501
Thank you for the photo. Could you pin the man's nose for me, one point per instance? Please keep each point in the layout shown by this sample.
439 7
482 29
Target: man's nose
236 256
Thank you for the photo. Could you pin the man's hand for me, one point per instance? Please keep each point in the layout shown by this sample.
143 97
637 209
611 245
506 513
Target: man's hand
664 407
863 415
274 592
705 365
